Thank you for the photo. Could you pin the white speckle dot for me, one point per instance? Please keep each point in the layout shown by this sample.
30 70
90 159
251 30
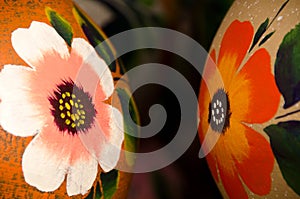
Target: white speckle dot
217 111
217 122
213 112
214 119
223 116
285 194
220 104
279 18
215 105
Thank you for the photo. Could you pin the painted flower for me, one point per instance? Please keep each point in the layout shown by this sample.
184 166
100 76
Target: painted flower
61 99
246 96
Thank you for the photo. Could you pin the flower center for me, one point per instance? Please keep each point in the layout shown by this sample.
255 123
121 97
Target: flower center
219 112
72 108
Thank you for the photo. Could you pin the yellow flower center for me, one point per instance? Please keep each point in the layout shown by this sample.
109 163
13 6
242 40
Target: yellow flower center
73 110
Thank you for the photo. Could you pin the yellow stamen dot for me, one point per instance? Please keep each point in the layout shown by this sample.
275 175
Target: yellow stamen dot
73 117
76 105
61 101
78 100
76 116
63 96
61 107
73 96
82 117
82 112
67 122
68 94
78 112
73 125
80 106
67 105
71 102
68 113
62 115
81 121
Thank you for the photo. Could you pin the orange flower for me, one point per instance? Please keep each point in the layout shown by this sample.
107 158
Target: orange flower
247 96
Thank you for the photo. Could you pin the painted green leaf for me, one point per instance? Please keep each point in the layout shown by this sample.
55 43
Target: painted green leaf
260 31
130 141
285 143
61 25
95 192
110 183
287 67
95 36
266 38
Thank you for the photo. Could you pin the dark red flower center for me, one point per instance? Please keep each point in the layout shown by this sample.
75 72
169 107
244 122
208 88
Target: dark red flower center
219 112
72 108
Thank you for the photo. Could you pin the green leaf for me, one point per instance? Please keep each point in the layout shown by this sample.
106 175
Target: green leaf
260 31
266 38
287 67
98 193
130 141
285 143
95 36
61 25
95 192
110 183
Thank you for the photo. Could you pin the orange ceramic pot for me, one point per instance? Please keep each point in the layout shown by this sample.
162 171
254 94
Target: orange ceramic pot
49 142
249 104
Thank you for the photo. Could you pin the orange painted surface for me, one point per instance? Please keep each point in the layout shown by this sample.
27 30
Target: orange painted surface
19 14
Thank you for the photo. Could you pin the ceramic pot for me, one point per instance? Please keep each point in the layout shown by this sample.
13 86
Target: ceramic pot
58 137
249 103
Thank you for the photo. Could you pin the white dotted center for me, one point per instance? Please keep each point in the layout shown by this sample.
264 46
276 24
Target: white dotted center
218 113
71 110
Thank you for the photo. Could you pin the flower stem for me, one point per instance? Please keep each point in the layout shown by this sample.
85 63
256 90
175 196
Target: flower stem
287 114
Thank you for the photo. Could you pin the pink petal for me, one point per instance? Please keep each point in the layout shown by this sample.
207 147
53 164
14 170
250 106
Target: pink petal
43 168
19 112
33 43
93 70
104 139
81 175
53 154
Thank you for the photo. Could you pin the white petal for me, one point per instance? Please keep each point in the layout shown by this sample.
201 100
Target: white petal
42 168
81 176
105 143
19 115
92 59
34 43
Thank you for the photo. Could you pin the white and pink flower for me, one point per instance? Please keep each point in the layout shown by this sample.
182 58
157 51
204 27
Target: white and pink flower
59 99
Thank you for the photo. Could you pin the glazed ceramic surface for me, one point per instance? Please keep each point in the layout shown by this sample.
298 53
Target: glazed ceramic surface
254 111
58 136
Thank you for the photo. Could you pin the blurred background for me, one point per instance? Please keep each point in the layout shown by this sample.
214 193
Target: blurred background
189 176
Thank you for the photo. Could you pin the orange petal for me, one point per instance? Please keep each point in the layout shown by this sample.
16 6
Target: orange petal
256 169
213 55
232 184
264 95
236 42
